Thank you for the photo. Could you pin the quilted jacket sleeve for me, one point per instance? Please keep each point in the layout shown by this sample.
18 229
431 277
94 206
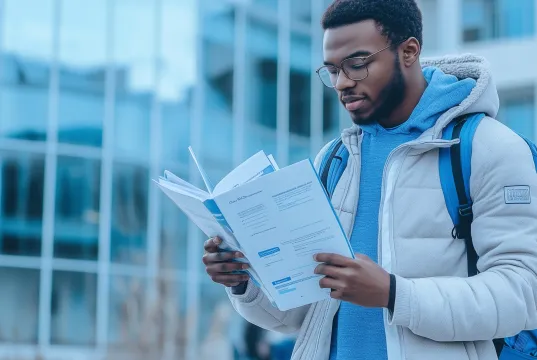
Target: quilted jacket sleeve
255 307
501 301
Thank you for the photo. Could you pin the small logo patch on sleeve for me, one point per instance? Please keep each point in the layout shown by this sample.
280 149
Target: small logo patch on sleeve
517 194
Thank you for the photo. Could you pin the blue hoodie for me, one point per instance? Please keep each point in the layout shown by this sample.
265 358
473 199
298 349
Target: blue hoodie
358 331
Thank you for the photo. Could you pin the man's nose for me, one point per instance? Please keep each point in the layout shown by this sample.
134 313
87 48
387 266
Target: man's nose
343 82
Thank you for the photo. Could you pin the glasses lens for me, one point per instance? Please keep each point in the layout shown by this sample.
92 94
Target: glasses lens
328 75
355 68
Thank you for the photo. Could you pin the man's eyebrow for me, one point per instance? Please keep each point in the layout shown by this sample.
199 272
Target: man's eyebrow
358 53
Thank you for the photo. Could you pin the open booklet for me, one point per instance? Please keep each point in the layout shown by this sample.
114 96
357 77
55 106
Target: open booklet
278 218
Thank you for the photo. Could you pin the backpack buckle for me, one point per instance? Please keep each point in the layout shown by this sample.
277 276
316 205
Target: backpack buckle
465 210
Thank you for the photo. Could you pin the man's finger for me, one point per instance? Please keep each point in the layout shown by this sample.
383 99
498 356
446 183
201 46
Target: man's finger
225 267
222 256
229 279
328 270
333 259
329 283
336 294
212 244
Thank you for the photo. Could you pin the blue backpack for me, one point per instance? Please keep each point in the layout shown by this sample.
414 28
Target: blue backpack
455 170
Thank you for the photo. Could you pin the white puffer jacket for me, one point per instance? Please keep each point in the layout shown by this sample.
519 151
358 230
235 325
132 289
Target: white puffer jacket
439 312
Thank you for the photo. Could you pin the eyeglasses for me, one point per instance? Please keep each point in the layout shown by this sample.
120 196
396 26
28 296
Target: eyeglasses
354 68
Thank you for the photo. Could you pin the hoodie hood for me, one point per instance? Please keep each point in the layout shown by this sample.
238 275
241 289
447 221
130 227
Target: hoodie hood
481 97
484 96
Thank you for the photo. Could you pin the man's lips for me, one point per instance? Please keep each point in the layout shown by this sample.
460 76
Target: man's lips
353 103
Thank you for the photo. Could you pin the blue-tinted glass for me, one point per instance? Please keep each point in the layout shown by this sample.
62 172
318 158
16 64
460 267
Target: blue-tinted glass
25 68
177 76
129 213
134 58
173 230
128 317
261 87
300 10
19 305
21 215
217 320
490 19
300 98
82 74
76 228
519 116
517 18
331 113
73 308
218 69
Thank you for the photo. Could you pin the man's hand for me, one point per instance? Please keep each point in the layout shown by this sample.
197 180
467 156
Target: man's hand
219 265
359 281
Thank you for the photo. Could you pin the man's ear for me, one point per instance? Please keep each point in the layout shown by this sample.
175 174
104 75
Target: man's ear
410 51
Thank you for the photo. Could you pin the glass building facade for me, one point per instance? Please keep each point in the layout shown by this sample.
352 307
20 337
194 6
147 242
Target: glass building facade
98 98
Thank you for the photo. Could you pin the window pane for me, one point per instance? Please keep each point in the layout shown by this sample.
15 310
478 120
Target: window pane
517 18
300 10
73 308
76 228
129 213
519 116
177 76
134 57
261 80
331 110
21 216
492 19
83 71
218 43
24 68
219 325
19 309
128 319
300 98
173 231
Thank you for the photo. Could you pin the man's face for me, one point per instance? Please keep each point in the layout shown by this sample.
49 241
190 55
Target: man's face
375 97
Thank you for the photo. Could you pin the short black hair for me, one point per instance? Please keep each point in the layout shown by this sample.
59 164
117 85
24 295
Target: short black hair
398 20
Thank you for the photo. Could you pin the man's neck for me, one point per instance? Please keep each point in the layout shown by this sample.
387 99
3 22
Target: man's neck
413 93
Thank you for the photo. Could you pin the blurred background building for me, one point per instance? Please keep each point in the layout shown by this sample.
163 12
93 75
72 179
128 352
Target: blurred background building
98 97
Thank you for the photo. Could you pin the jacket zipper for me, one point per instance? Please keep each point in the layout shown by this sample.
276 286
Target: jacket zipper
386 171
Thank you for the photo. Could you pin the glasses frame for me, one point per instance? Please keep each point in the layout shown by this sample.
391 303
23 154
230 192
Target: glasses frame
341 68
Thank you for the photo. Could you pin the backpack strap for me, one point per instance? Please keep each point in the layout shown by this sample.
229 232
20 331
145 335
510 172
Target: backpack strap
455 171
332 165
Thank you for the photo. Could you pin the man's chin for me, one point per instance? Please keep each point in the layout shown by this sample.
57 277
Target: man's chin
361 118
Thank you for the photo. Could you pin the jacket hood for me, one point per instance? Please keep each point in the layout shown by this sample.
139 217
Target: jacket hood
483 98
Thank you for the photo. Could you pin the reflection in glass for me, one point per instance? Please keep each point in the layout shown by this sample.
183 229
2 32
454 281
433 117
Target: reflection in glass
134 58
518 114
216 320
217 62
76 228
21 215
331 114
128 320
82 72
73 308
173 232
24 68
493 19
261 87
300 98
129 213
300 10
177 76
19 305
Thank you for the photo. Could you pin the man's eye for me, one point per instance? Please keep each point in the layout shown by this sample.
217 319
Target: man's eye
357 66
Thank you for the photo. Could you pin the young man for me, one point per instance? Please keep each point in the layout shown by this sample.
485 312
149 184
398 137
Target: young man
390 202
